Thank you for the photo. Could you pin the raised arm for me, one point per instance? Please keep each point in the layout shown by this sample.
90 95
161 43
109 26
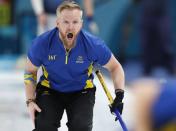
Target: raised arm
89 12
38 7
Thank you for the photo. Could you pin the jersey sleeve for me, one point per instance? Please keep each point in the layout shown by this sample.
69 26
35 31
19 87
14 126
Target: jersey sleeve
102 52
35 53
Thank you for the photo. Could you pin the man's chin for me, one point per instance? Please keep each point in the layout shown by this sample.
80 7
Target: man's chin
69 42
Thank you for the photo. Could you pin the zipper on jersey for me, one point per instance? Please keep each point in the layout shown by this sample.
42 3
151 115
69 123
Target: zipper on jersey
66 55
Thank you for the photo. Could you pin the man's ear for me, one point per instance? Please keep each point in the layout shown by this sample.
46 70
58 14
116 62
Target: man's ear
82 24
57 22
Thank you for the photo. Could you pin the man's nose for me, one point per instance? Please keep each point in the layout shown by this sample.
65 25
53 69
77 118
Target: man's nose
70 26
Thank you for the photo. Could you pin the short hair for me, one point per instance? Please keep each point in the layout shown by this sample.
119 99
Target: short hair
68 4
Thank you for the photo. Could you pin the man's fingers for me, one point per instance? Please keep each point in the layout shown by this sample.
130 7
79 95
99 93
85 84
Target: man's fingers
32 115
37 108
33 107
33 118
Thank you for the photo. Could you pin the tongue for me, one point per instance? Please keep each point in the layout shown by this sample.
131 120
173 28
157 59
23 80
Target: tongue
70 35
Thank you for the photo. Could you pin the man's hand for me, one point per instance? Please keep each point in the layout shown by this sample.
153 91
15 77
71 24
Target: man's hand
92 25
32 108
42 19
117 103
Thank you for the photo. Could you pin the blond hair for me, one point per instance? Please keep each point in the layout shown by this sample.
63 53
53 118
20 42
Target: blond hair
67 5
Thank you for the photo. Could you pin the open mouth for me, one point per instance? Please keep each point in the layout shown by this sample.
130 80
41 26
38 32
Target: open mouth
70 35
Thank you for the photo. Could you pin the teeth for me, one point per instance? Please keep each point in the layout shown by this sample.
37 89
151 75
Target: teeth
70 35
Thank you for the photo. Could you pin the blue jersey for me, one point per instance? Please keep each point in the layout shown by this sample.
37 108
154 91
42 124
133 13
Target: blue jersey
68 71
164 108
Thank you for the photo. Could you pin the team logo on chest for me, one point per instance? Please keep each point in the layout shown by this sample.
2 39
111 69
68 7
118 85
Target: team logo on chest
52 57
80 60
